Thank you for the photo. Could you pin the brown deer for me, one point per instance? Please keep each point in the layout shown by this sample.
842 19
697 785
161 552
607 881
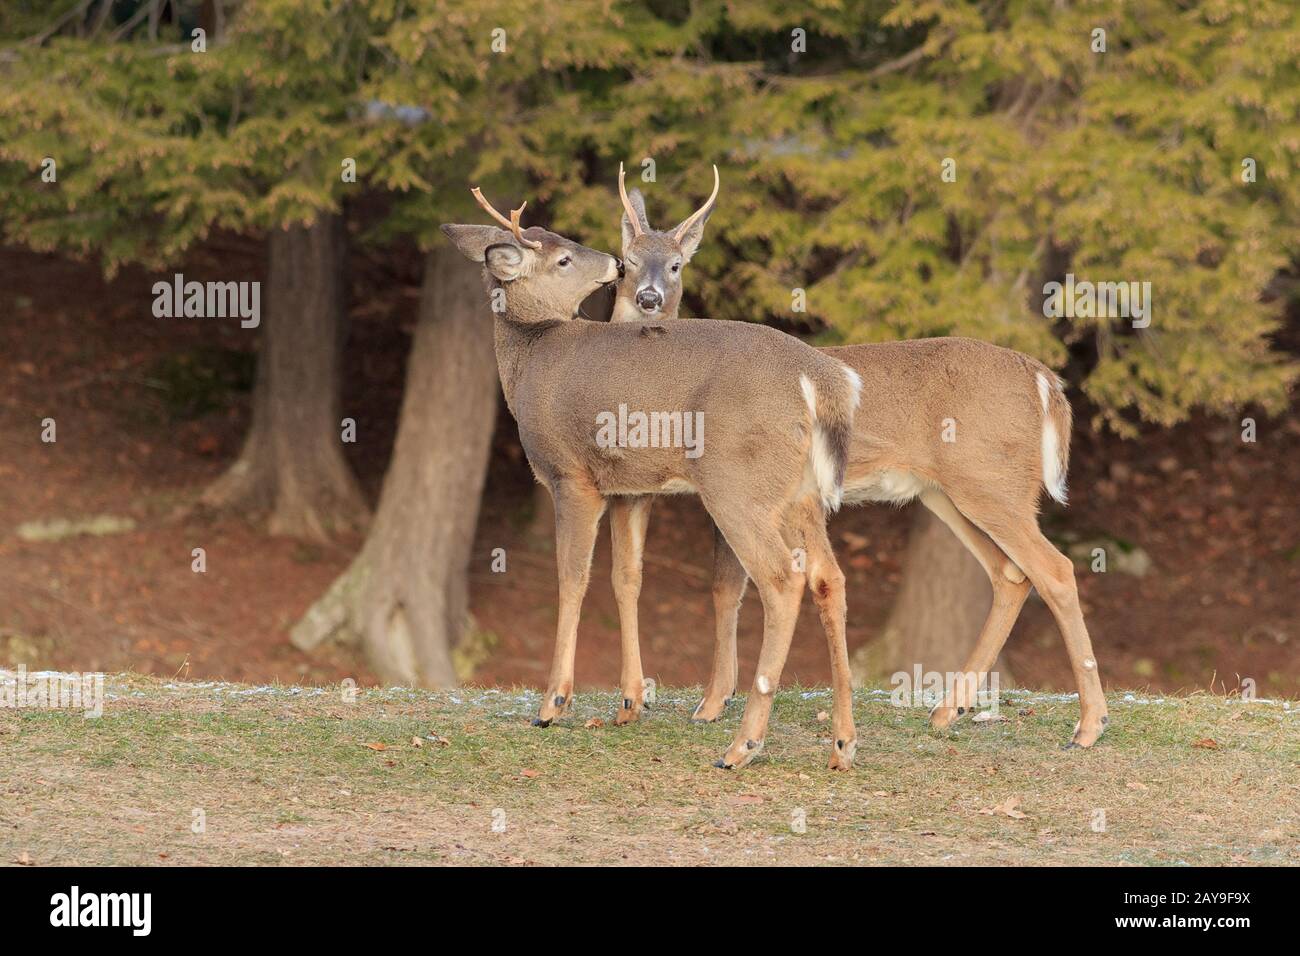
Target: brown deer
778 413
1011 429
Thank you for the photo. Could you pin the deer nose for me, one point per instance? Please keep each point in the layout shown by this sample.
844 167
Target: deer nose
649 299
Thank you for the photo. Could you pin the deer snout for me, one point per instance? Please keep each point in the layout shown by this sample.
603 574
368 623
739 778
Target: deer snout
649 299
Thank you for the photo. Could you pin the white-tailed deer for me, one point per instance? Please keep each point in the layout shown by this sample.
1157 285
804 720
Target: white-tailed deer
778 415
972 430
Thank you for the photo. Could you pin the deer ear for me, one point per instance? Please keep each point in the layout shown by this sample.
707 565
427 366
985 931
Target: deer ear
638 204
473 241
691 240
507 261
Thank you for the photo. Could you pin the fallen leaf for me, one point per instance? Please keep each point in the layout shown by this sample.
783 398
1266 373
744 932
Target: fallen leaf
24 859
417 742
984 716
1207 743
746 799
856 542
1134 785
376 746
530 774
822 716
1007 807
594 723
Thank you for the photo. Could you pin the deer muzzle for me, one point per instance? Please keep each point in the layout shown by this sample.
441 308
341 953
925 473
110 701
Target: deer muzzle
649 299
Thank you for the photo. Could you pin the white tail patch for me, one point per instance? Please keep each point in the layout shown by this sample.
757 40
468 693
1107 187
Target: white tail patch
809 394
1053 474
821 462
855 383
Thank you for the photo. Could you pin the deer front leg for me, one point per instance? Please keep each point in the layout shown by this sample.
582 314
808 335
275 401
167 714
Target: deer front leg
577 517
729 582
628 518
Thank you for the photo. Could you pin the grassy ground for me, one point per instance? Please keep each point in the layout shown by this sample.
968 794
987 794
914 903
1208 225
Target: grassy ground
284 775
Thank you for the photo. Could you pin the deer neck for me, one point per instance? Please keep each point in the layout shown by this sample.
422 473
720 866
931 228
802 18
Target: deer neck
515 334
513 344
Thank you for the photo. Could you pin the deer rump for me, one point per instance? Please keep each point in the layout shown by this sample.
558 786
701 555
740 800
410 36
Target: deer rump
725 405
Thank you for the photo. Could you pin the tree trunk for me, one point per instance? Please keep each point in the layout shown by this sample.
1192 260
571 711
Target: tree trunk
292 463
940 608
405 597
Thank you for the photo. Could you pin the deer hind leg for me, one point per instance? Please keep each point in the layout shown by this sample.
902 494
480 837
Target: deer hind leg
1052 574
779 581
628 518
1010 588
826 581
729 582
577 518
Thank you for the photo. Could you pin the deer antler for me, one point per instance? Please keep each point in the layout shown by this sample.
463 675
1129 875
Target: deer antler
632 217
694 217
512 223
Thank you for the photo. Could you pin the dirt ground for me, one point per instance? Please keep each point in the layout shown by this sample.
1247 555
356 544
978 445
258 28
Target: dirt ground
177 773
149 411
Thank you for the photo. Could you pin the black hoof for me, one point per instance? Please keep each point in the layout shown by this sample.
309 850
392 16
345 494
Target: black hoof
538 722
722 765
1072 746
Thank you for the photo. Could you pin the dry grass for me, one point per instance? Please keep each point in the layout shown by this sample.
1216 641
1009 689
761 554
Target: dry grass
283 775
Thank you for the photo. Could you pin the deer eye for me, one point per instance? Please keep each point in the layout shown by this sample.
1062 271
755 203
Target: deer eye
564 261
677 267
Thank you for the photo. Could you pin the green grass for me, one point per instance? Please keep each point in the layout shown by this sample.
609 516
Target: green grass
283 776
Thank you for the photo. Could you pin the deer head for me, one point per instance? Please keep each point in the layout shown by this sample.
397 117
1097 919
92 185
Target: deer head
652 260
544 276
